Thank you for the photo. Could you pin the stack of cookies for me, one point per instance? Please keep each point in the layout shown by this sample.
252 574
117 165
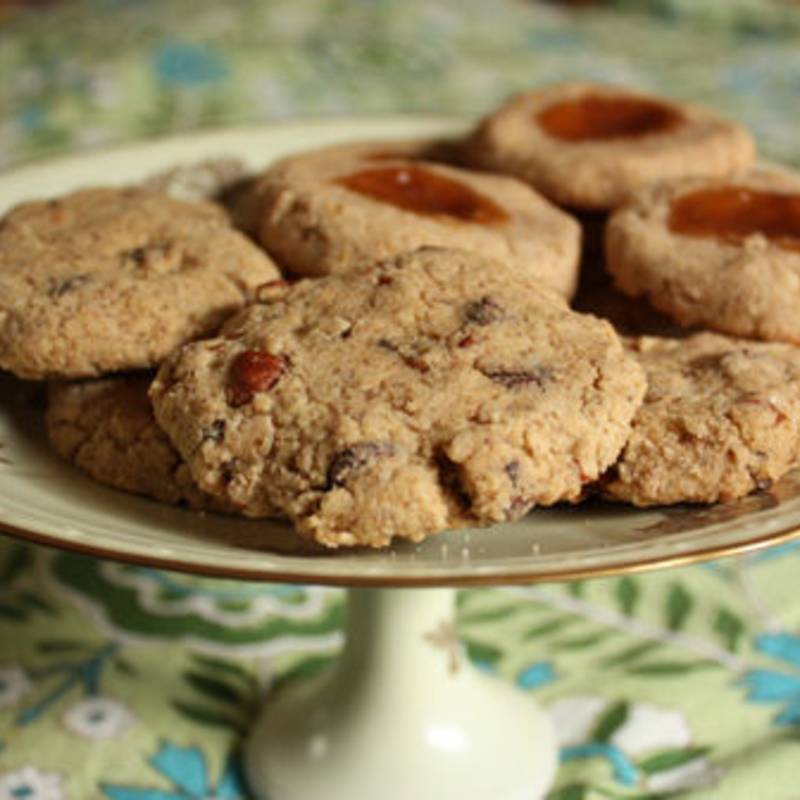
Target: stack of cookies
383 339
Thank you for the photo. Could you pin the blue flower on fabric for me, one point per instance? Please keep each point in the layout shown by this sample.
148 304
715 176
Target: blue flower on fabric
180 64
185 768
535 675
771 686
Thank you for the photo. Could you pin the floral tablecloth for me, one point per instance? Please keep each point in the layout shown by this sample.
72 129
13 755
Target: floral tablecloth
127 683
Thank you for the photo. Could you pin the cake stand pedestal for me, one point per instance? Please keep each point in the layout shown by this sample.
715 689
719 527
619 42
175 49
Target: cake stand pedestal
401 715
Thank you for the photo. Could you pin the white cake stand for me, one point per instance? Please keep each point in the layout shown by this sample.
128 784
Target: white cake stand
402 714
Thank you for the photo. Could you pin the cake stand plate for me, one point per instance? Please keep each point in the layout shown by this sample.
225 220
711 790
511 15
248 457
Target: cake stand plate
402 714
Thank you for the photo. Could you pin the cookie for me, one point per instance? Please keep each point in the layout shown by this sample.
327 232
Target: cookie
720 419
210 179
720 254
588 146
247 203
106 428
432 390
113 279
323 215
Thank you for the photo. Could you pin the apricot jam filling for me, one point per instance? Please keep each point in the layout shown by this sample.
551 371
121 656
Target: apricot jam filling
422 191
733 213
592 117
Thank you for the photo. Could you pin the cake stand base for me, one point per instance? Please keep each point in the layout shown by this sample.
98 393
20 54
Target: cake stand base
401 715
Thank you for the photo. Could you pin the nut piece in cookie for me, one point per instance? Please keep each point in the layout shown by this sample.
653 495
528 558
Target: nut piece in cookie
106 428
720 419
587 146
321 215
103 280
722 254
432 390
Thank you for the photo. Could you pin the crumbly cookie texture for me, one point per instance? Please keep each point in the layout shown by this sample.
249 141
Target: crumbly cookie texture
435 389
745 288
598 173
106 428
111 279
318 216
720 419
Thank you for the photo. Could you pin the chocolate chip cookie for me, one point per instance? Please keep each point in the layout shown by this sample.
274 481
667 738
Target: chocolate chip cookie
430 390
323 215
587 146
720 254
112 279
720 419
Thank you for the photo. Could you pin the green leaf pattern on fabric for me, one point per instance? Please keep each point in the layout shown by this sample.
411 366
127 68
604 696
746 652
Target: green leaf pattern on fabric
642 675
